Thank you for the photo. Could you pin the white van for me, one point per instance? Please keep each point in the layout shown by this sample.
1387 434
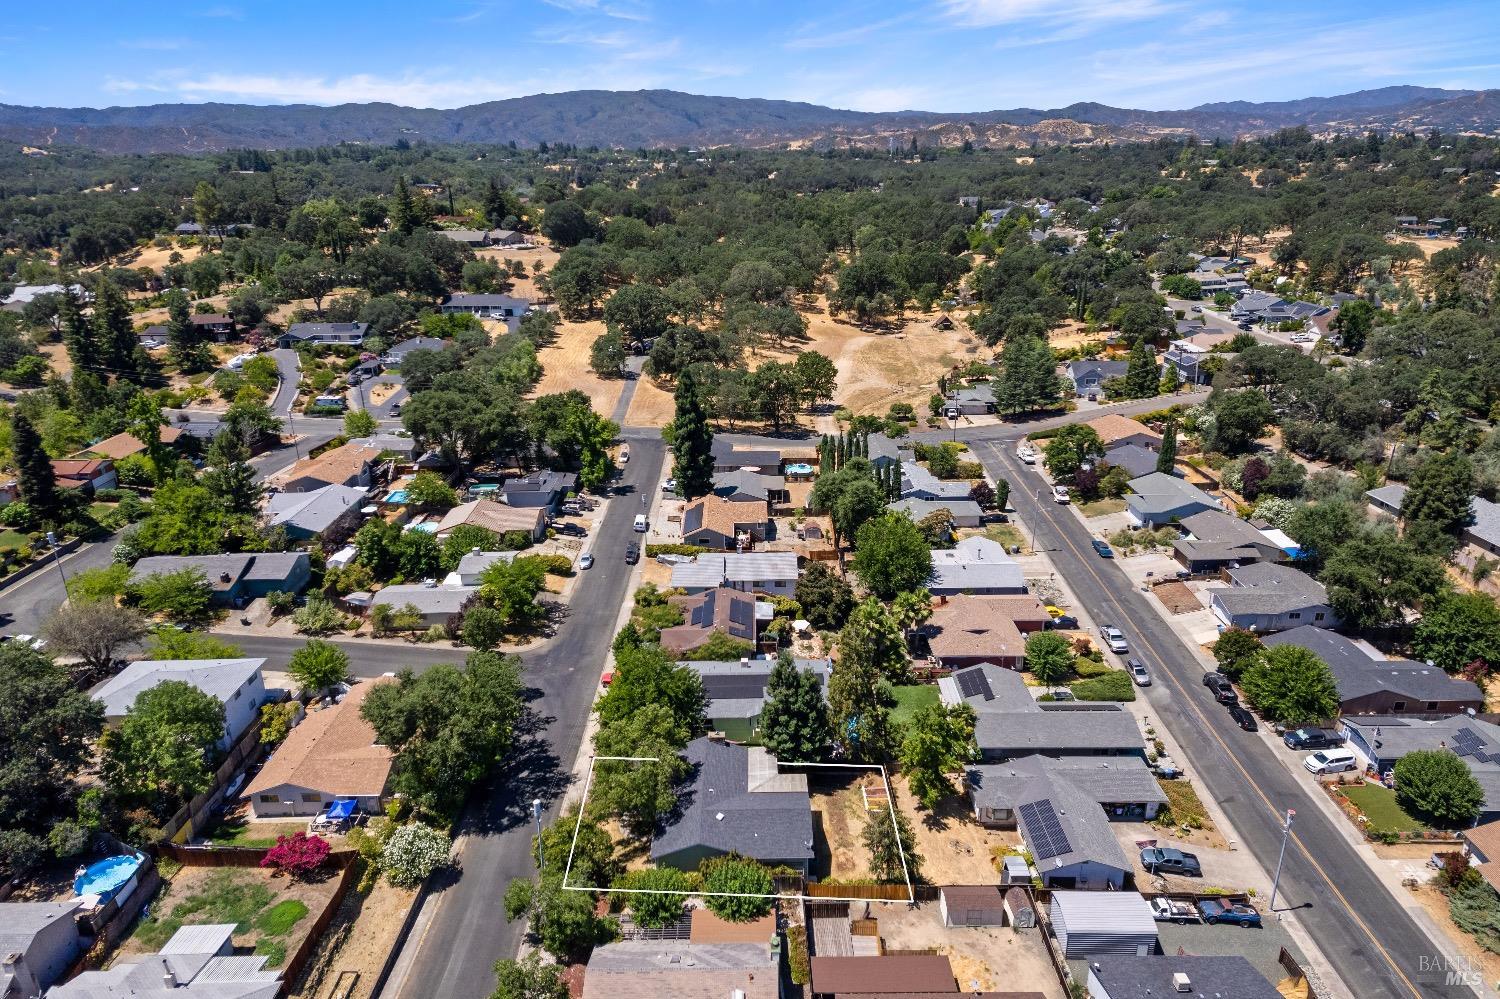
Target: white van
640 523
1331 761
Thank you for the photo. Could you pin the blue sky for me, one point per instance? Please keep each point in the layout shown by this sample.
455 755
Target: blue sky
939 55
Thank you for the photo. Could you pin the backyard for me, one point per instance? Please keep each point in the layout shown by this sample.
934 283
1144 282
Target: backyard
1381 812
910 698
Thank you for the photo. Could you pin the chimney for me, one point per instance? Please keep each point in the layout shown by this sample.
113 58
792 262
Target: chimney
1181 982
473 551
168 980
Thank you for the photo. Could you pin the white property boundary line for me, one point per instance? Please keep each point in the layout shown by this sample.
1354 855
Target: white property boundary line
911 894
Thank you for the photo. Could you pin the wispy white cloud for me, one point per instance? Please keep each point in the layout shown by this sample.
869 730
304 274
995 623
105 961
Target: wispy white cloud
624 11
821 35
993 13
155 44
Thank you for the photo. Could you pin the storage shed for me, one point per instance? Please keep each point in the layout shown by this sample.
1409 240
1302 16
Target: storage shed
972 905
1020 910
1089 923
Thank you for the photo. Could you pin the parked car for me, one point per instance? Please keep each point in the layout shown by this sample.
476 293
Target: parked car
1244 719
1114 639
572 530
1312 738
1060 494
586 560
396 409
1216 911
1065 622
1197 308
669 486
1245 326
640 523
633 554
1223 690
1167 860
1101 549
1138 672
1330 761
1027 454
624 454
1166 910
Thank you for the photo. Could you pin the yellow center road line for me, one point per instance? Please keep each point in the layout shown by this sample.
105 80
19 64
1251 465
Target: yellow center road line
1210 728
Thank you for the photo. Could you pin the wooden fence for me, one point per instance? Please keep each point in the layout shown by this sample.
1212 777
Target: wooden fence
292 970
1294 971
231 856
877 893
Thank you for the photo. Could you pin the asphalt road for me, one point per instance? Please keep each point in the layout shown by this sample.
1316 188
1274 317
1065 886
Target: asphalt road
291 377
456 950
1365 935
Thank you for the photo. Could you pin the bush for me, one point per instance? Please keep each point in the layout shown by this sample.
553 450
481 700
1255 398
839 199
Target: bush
1434 785
654 550
297 855
554 564
741 877
412 853
1114 685
318 616
280 602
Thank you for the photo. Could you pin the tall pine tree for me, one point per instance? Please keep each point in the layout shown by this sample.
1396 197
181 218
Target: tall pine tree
77 334
1166 458
794 724
1028 376
403 212
182 336
35 478
113 332
1141 381
692 441
230 477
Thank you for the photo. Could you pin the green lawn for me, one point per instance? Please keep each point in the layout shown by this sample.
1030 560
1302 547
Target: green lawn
909 699
1102 507
12 540
1379 805
238 832
227 897
1008 535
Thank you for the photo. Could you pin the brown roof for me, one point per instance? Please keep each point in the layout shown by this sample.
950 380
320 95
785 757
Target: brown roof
338 466
209 319
332 750
1485 839
981 626
493 516
709 928
668 969
123 445
73 472
718 609
720 515
1491 874
973 896
1113 427
887 975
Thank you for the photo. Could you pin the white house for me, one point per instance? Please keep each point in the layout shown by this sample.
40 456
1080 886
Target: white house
236 683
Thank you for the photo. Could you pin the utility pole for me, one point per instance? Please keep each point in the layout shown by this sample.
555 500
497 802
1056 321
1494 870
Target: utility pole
57 558
1286 832
536 813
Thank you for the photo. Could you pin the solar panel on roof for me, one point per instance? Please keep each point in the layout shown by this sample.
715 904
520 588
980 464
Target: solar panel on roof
1044 830
969 683
1462 749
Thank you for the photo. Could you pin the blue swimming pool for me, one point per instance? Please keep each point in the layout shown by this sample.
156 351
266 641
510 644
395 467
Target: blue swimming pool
103 877
396 496
799 468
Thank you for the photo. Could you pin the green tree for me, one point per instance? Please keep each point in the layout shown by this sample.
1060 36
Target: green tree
639 793
825 598
794 721
230 478
1459 629
1374 578
1353 324
607 355
113 331
849 496
167 746
1028 377
93 632
1141 379
77 334
1237 420
183 344
186 519
318 665
483 628
1070 448
871 649
894 557
37 483
403 217
892 847
1438 501
737 876
581 841
655 896
359 423
562 922
1166 458
102 584
528 977
646 675
512 587
208 208
428 488
1236 650
174 643
638 312
1290 685
817 375
692 441
144 420
448 727
939 740
778 391
181 596
1435 786
1049 657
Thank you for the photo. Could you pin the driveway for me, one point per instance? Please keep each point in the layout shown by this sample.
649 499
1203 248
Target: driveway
291 377
1367 937
359 396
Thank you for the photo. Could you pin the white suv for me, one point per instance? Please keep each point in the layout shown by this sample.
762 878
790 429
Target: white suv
1114 638
1060 494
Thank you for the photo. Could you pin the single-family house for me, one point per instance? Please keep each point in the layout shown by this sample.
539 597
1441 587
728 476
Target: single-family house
327 515
235 683
976 566
346 465
917 482
390 444
1136 460
88 474
24 294
961 512
545 489
1158 499
436 602
904 975
1253 305
1187 354
736 691
331 754
506 308
641 969
123 445
881 451
743 485
1160 976
188 229
501 518
1091 924
774 573
153 336
1267 597
323 334
1379 741
212 326
738 615
39 942
975 400
1482 845
967 630
1122 787
1213 540
1089 375
198 961
1370 684
1114 430
728 458
1482 531
470 237
1011 723
714 522
235 579
472 567
395 355
736 800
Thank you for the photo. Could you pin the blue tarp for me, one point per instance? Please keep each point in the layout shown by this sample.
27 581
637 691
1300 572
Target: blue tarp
341 809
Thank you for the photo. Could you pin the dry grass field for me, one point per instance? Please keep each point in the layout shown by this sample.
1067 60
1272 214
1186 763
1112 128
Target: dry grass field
565 366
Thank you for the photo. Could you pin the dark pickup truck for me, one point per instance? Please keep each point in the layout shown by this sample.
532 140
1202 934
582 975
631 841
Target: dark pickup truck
1312 738
1165 860
1223 690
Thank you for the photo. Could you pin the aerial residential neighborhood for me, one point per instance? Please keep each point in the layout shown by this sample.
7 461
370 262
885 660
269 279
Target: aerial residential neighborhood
622 543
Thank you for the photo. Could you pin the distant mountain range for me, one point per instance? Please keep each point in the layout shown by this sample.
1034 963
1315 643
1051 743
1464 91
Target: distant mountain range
668 118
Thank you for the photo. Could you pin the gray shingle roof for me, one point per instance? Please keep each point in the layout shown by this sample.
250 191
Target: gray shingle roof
722 810
20 922
744 481
916 479
1089 836
213 568
1105 779
1160 493
219 678
882 447
475 563
1359 674
735 567
1079 370
738 690
427 599
1133 458
917 509
314 511
1268 588
1012 722
1131 977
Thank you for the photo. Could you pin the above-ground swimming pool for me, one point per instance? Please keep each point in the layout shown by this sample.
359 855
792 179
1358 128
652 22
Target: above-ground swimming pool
103 877
801 468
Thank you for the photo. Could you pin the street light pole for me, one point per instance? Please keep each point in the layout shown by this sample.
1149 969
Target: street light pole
1286 832
536 813
57 558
